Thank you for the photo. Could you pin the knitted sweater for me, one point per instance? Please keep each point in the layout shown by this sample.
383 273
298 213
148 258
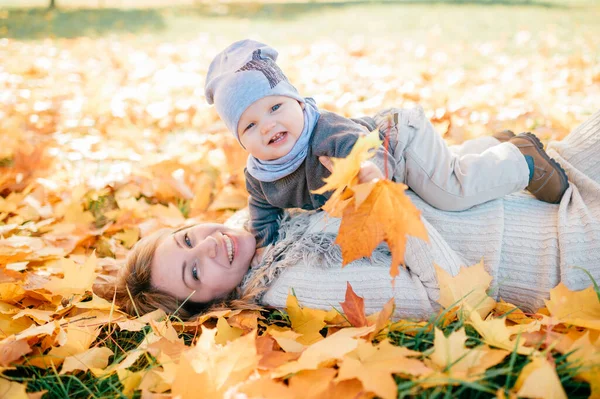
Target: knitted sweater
333 136
528 246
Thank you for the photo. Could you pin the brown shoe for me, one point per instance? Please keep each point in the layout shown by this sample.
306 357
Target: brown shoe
549 180
504 135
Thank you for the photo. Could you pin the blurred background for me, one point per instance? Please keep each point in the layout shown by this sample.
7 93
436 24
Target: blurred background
108 94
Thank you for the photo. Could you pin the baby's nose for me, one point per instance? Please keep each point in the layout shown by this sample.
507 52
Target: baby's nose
267 126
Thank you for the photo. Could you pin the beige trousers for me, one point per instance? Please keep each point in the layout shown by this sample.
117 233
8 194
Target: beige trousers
451 178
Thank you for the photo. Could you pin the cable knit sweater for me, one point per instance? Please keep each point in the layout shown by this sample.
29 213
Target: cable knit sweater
528 246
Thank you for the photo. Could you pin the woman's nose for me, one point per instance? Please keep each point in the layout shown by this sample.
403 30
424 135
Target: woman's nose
208 247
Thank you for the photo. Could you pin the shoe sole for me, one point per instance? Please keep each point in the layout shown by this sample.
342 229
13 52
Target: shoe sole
564 180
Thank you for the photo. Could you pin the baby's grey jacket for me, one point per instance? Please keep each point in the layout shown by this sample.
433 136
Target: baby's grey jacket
333 136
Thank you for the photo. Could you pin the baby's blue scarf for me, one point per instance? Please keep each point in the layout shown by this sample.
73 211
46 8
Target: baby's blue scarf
275 169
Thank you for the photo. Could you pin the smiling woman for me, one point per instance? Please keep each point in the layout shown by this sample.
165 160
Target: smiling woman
185 271
201 262
528 247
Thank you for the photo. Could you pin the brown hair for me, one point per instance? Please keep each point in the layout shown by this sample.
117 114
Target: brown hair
135 295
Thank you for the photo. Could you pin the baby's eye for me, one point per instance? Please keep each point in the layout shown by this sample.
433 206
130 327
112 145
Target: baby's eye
250 126
195 273
275 107
187 240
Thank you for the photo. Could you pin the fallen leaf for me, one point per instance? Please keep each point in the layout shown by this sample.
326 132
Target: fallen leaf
467 288
12 390
374 366
307 322
226 333
77 279
354 308
96 357
580 308
332 348
12 350
451 357
214 368
539 370
495 333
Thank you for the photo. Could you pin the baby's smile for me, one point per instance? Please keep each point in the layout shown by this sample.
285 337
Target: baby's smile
278 138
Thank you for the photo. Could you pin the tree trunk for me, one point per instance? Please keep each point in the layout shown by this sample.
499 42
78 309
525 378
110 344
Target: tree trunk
52 4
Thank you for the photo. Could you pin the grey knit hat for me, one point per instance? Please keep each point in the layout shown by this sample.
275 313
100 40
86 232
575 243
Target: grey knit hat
240 75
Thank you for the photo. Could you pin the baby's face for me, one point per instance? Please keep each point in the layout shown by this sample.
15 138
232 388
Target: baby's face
270 127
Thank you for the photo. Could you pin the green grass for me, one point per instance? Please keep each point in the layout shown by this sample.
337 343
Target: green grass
301 23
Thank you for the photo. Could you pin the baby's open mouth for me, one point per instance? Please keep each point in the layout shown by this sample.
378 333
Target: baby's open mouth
278 137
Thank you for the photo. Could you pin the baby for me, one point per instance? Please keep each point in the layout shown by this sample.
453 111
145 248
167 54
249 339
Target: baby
287 138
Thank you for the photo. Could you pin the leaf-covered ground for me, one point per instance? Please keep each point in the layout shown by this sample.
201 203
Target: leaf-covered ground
106 139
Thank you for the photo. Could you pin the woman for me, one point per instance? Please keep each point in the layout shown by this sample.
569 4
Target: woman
528 247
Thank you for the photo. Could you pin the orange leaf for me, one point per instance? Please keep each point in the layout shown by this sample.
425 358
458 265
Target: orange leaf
386 215
354 308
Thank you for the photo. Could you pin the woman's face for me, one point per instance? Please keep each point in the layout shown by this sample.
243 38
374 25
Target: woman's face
207 258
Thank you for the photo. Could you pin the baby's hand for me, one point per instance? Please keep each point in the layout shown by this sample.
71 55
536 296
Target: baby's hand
258 255
369 172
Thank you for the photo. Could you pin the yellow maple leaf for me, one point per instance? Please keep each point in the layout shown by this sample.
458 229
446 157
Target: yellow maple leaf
12 350
374 366
13 390
225 332
538 379
580 308
332 348
466 289
128 237
346 169
451 357
286 338
495 333
386 215
77 278
214 368
311 383
305 321
585 353
96 357
266 388
78 340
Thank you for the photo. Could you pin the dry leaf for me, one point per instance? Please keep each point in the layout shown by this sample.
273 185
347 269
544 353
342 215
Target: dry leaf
307 322
374 366
466 289
96 357
529 382
77 279
581 308
354 308
376 223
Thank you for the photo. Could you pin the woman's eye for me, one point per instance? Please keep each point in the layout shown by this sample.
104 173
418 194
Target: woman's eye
195 273
187 240
275 107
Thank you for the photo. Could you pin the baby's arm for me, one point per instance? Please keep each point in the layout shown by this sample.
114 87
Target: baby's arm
344 135
264 217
